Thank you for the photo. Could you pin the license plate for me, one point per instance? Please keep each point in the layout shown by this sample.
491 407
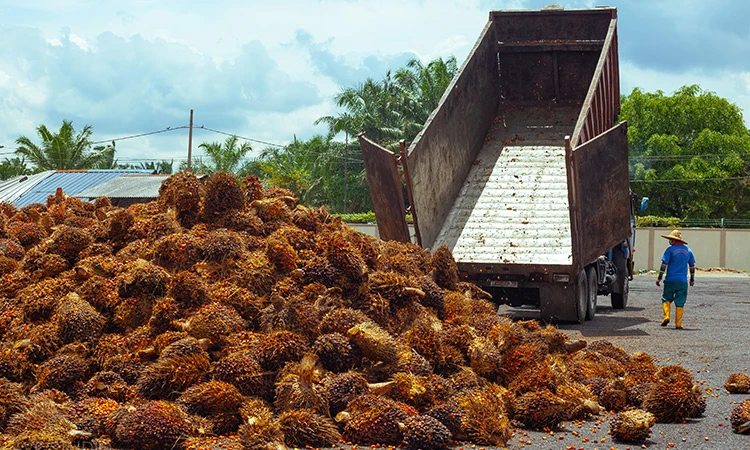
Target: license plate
507 284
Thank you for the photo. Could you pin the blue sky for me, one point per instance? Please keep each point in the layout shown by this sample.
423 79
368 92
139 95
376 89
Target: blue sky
267 70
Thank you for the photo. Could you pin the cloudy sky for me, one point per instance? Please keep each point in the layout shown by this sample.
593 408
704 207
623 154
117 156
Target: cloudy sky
267 69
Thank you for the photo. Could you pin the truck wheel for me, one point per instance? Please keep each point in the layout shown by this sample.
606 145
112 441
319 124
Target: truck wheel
592 291
620 301
582 297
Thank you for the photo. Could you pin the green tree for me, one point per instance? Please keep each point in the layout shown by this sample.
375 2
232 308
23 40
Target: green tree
421 88
689 153
13 167
323 172
64 149
226 156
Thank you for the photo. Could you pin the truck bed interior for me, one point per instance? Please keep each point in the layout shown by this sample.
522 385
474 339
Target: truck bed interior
498 215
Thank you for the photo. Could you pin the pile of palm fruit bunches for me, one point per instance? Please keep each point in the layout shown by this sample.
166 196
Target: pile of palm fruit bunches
224 315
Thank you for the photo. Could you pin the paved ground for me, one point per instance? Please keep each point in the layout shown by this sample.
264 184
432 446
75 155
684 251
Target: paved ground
714 343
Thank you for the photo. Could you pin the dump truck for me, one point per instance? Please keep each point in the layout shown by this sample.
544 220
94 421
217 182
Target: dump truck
522 169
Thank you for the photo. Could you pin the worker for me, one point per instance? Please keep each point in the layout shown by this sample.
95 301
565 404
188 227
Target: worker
676 260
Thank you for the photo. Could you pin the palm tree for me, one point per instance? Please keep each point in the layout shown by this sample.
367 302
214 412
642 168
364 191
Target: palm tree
64 149
226 157
422 87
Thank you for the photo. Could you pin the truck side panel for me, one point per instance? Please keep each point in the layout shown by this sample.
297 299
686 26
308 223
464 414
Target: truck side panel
443 153
385 188
600 179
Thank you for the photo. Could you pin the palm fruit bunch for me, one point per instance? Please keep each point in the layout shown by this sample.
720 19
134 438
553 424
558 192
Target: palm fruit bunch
633 425
224 315
737 383
740 418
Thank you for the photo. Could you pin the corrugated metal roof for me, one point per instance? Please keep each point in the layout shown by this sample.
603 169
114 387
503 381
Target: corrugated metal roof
127 186
72 182
13 188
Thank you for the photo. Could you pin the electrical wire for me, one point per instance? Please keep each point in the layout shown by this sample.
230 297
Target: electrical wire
271 144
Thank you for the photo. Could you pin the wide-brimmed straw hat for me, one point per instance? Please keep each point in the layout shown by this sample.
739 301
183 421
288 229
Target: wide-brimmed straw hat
675 235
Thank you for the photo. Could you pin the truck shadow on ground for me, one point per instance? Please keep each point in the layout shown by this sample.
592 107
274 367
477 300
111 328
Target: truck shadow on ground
609 321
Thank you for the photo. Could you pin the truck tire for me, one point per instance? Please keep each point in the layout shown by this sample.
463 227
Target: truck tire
592 291
582 296
620 301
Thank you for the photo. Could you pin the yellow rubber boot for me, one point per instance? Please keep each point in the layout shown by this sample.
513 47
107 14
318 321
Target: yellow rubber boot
666 307
678 318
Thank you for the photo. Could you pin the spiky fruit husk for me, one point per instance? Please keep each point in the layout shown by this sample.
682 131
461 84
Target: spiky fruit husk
445 269
77 320
581 402
520 357
222 246
737 383
340 389
609 349
419 391
671 401
421 432
45 417
344 256
485 358
281 253
38 301
68 241
107 384
62 372
223 195
632 426
214 443
153 425
12 400
11 249
335 352
259 430
252 188
218 401
178 251
142 278
640 369
91 414
614 397
740 418
189 289
183 192
547 374
484 415
370 419
403 257
298 387
637 394
243 370
214 321
673 372
450 415
585 364
303 427
166 377
539 410
174 345
374 342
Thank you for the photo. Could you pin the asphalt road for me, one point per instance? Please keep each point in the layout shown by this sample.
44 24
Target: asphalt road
714 344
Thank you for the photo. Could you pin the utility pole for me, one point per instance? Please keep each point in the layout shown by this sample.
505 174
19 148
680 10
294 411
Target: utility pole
190 141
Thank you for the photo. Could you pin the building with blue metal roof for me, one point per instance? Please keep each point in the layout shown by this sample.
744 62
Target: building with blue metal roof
27 189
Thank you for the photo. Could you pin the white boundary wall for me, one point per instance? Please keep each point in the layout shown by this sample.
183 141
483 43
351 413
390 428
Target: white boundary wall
713 247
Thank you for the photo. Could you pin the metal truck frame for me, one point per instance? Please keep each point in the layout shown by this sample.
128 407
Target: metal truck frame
521 170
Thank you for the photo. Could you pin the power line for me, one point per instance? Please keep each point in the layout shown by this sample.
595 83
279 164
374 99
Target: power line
203 127
140 135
